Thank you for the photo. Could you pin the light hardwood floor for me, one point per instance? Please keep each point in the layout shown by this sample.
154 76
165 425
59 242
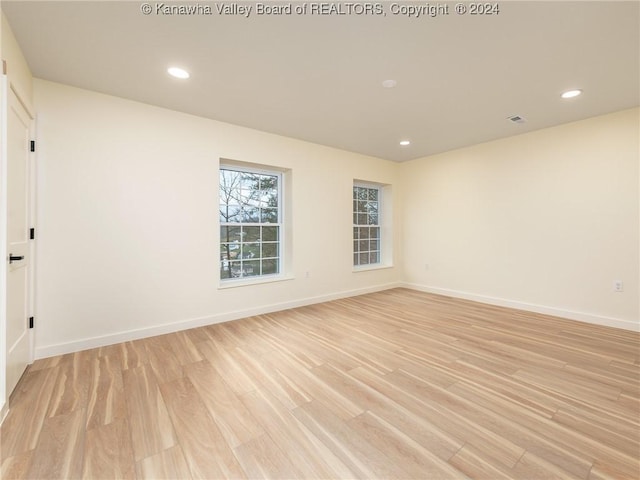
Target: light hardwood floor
397 384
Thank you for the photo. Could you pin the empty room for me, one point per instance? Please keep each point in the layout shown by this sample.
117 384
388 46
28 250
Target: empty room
320 240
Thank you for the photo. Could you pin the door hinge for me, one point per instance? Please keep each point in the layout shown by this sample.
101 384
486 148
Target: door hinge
30 322
32 145
32 234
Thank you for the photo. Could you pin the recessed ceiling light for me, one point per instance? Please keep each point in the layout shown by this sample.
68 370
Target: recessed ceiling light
178 72
389 83
571 93
404 143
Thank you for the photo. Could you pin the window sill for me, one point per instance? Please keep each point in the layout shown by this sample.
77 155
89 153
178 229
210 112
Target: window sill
243 282
368 268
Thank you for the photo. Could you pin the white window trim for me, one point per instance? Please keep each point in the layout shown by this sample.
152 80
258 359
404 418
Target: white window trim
373 266
243 282
225 283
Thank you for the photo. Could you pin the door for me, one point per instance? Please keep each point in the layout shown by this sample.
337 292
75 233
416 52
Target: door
18 254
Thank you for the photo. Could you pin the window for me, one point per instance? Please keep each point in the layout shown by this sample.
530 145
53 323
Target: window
250 223
366 225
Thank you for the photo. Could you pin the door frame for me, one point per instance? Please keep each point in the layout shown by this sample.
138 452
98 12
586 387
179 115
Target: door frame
6 88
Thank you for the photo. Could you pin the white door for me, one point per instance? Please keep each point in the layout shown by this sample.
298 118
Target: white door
18 157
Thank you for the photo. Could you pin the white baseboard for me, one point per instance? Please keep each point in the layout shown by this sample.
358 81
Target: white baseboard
530 307
104 340
101 341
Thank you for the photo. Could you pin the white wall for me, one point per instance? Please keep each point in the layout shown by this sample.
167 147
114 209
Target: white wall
544 221
127 220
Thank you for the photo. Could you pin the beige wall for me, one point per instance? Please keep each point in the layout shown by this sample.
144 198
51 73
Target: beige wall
127 220
544 221
17 68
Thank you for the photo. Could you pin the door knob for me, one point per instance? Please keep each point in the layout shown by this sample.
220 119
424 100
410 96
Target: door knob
15 258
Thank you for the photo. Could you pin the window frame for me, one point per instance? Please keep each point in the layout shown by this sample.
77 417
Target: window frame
260 278
379 224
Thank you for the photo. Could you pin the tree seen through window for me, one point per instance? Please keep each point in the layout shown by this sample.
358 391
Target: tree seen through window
249 223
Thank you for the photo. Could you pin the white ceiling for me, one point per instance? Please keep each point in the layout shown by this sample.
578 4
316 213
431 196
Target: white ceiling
319 77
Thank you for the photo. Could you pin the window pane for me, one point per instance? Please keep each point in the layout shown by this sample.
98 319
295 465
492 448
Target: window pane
269 182
230 213
269 187
235 269
251 234
269 250
229 180
355 233
362 219
364 258
356 257
251 268
269 198
250 214
250 184
269 215
270 267
269 234
250 198
373 219
250 250
375 232
231 251
373 194
363 232
225 269
230 234
362 207
363 245
373 257
229 197
374 245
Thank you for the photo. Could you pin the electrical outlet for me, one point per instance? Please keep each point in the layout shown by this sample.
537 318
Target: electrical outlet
618 286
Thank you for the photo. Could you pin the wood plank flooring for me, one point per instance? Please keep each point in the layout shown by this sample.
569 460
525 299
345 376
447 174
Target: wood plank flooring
397 384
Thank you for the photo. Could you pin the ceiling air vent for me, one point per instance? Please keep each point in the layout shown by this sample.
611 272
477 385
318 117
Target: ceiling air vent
516 119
